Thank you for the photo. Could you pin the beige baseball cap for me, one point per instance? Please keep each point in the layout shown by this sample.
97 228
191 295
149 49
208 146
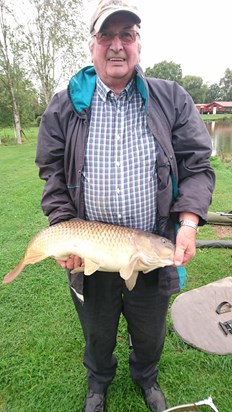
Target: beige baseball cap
106 8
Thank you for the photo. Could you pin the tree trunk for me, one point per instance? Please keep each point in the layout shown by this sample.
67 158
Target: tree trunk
17 125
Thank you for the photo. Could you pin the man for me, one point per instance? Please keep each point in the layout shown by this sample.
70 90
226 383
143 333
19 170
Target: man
122 149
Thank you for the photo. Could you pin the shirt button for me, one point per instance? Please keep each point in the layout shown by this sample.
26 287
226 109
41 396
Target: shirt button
118 137
118 190
118 164
119 216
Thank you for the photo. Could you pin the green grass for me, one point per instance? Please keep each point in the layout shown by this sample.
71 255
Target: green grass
41 344
7 137
211 117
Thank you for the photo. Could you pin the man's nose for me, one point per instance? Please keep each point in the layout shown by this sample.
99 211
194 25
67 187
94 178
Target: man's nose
116 43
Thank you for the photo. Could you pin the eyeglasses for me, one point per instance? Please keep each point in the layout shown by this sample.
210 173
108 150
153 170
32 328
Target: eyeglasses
105 38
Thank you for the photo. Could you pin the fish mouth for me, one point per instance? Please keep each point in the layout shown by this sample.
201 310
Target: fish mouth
150 263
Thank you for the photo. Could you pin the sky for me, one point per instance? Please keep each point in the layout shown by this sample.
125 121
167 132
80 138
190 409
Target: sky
197 34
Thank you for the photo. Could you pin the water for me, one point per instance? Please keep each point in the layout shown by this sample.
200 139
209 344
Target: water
221 133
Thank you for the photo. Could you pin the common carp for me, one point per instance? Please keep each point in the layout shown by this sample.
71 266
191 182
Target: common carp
101 246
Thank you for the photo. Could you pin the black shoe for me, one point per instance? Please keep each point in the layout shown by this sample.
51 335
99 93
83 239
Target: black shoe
94 402
155 399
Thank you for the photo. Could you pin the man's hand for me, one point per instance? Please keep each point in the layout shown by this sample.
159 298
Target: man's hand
72 262
185 245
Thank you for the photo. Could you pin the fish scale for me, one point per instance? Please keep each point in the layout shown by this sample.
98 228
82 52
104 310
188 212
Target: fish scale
101 246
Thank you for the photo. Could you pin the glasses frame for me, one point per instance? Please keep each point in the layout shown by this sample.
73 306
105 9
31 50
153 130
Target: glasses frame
107 42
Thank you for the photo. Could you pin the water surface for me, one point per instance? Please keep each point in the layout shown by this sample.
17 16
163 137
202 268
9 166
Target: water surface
221 133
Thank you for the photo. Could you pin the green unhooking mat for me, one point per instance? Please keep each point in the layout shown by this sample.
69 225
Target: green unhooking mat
202 317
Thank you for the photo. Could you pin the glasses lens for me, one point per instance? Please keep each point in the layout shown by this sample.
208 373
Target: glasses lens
126 37
105 37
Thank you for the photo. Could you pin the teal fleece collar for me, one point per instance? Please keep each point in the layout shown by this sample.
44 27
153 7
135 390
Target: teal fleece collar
81 88
82 85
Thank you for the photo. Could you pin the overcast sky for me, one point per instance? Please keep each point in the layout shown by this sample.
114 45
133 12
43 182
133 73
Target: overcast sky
197 34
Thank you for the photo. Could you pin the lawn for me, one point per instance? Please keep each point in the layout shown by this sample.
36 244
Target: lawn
217 117
41 343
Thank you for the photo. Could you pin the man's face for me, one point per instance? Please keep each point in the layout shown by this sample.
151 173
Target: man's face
114 62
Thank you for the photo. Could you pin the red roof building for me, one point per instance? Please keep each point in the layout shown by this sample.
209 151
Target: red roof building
200 107
217 108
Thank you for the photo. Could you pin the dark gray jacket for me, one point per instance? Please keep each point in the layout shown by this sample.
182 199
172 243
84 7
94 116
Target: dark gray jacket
185 178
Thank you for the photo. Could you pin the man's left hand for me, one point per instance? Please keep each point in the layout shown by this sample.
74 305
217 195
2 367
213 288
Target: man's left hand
185 245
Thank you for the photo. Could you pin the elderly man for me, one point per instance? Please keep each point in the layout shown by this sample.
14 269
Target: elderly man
124 149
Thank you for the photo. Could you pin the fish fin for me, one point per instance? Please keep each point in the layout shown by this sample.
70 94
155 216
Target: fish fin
129 273
130 283
78 269
90 267
15 272
151 268
127 270
31 257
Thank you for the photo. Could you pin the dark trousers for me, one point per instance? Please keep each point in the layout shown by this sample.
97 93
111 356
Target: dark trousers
106 297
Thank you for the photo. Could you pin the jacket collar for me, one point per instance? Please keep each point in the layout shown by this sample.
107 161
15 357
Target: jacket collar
82 85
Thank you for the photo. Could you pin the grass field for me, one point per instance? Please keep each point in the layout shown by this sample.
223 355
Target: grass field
41 344
216 117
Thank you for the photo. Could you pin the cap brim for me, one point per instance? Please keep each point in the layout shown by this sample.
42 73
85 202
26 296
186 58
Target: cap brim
96 27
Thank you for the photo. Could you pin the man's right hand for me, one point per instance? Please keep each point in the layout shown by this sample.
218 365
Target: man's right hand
72 262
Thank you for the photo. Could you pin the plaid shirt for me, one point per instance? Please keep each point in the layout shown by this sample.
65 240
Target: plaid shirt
119 176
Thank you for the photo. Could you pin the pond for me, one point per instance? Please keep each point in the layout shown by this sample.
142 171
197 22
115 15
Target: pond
221 133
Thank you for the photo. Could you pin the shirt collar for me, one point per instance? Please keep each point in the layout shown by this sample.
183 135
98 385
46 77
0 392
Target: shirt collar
104 91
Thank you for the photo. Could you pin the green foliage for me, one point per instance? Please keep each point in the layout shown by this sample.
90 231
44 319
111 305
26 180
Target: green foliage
26 97
165 70
213 93
41 342
200 92
226 85
194 86
6 117
52 42
55 29
38 120
32 64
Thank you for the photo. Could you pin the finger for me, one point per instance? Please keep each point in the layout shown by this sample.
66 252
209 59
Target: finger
73 262
70 262
78 262
61 263
179 257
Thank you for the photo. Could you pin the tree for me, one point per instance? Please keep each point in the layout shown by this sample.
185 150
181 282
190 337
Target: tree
54 42
165 70
214 93
29 106
6 117
226 86
27 98
195 87
9 64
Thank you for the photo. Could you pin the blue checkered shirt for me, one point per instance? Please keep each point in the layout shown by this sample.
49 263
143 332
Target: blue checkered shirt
119 175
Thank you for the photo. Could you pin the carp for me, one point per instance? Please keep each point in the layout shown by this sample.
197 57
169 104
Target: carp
101 246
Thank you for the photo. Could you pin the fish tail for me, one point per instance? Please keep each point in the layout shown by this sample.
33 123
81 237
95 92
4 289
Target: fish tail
31 257
15 272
